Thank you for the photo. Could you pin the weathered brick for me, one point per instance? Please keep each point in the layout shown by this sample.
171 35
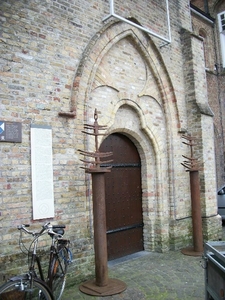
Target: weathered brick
59 56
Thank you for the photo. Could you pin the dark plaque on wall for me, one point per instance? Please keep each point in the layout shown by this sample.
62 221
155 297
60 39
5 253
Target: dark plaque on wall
10 132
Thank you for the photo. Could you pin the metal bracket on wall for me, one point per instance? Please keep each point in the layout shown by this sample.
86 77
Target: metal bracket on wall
71 114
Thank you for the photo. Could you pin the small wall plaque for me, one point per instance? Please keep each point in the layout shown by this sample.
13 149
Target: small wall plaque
10 132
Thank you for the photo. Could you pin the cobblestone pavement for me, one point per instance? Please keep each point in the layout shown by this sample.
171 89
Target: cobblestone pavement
156 276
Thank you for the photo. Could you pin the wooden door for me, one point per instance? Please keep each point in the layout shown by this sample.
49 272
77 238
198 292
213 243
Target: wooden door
123 197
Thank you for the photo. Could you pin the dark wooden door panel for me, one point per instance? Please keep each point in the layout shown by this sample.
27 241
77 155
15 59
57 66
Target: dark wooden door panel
123 206
124 242
124 219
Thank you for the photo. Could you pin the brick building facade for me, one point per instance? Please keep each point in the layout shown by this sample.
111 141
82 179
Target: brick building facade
205 23
61 60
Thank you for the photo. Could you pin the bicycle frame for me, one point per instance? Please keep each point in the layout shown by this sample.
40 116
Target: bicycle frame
53 254
58 260
35 258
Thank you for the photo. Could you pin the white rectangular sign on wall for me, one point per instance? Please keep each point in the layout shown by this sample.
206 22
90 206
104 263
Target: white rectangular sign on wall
42 172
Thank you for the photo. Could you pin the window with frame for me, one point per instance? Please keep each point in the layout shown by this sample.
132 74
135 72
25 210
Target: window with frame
221 21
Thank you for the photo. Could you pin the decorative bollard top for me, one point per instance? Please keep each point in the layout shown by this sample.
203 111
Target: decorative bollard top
96 156
191 164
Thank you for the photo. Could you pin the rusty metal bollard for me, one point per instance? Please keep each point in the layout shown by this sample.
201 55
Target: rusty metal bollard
192 166
101 285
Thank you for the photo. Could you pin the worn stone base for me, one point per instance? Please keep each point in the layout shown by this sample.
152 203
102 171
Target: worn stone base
181 231
212 228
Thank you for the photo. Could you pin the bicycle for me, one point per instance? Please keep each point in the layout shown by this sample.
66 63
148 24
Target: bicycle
29 285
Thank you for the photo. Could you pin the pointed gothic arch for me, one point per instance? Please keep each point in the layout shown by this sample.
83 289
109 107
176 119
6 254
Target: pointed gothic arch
143 107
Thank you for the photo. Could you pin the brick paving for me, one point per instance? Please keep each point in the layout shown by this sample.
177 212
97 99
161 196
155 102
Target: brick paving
157 276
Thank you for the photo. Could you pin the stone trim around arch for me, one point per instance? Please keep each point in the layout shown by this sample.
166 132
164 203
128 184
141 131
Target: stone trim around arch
98 47
155 198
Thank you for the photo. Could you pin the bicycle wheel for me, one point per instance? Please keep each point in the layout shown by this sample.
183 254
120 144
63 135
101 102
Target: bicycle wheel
58 272
20 289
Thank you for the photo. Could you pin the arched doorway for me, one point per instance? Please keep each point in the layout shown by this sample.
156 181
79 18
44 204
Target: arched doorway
123 197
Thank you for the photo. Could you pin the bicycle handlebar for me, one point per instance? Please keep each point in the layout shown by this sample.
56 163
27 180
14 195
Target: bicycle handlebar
46 227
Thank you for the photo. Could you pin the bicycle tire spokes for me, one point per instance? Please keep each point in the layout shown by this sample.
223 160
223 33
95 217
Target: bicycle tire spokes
64 244
58 272
66 256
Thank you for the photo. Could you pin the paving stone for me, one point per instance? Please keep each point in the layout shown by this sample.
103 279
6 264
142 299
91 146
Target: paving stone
156 276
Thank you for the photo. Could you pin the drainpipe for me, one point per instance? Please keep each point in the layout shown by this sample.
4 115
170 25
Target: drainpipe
113 14
206 6
209 20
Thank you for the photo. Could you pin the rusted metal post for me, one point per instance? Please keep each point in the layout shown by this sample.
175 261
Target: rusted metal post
192 167
196 212
101 285
100 239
